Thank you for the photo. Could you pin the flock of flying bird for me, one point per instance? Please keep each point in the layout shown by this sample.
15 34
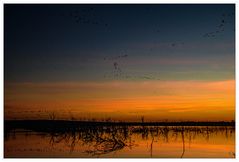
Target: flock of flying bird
89 17
118 73
221 27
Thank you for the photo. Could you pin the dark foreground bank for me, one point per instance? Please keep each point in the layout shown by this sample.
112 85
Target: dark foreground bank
64 125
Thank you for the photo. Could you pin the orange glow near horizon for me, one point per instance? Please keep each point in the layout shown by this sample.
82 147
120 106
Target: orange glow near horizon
124 100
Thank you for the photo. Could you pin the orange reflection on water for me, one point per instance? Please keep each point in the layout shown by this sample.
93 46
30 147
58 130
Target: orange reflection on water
174 142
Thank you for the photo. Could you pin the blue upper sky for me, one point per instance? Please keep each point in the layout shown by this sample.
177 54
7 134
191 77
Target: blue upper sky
48 43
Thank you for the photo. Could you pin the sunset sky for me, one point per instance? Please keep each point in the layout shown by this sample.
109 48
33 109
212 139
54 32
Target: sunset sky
163 62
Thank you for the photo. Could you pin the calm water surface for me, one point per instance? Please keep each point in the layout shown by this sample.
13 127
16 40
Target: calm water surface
127 141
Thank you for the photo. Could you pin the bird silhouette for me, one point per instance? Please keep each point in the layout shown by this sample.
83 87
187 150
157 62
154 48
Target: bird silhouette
115 65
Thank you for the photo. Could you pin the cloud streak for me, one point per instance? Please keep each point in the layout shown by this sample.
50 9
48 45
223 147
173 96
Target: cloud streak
165 98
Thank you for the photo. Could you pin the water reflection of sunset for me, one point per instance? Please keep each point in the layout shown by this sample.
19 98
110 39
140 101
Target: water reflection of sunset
164 142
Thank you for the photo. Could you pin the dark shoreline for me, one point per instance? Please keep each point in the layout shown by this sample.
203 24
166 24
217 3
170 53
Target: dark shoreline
57 124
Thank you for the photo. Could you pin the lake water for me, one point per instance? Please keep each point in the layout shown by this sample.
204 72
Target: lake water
130 141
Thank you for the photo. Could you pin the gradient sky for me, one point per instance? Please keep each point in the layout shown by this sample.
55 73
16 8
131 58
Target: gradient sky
164 62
